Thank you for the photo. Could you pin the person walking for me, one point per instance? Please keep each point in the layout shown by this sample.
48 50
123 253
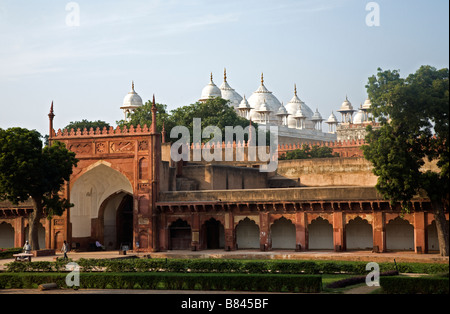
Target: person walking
65 249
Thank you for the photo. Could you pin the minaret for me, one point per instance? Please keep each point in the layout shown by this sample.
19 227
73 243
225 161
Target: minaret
154 110
155 158
51 131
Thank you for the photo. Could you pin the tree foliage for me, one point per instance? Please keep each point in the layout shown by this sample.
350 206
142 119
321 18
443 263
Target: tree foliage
308 152
414 116
27 170
87 124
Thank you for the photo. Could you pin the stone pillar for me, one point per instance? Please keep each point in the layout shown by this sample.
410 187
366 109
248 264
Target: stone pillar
19 234
420 240
338 232
264 236
379 232
230 238
195 229
300 232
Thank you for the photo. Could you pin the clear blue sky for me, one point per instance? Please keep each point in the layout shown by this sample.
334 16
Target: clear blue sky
170 47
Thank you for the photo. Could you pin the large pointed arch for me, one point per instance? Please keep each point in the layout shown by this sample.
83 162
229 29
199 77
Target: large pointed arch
89 192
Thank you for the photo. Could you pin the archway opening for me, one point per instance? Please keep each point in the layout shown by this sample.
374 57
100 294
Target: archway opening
247 234
180 235
6 235
320 235
213 235
282 234
358 234
399 235
116 215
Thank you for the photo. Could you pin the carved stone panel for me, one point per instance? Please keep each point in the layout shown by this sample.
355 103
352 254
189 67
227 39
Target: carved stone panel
81 148
122 147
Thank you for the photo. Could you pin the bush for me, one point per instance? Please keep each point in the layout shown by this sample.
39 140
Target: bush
171 281
355 280
227 266
415 285
8 253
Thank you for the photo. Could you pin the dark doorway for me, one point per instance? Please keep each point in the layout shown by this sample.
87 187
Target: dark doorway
214 234
180 235
125 222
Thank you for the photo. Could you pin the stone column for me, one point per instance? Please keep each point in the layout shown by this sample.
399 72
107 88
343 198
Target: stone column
230 238
420 240
379 232
195 229
264 236
338 232
300 232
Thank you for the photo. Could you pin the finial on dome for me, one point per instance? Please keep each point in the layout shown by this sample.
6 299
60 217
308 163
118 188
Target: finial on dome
262 78
211 77
224 74
295 89
132 85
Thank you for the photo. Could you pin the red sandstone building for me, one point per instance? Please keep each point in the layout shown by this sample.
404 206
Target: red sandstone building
126 190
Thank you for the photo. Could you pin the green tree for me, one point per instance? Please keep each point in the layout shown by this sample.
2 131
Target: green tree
414 116
27 170
87 124
308 152
143 116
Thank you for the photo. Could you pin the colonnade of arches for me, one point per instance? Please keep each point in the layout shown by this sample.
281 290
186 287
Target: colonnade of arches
358 234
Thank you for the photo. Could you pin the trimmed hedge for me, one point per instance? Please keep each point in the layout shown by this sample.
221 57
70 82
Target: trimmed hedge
355 280
415 285
171 281
8 253
226 266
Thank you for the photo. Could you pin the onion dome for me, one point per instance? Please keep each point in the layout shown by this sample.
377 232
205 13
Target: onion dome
210 91
367 104
317 116
346 106
229 93
293 107
359 117
332 119
132 100
263 96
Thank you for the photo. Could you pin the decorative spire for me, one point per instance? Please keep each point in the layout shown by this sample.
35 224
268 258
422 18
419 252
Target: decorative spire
295 89
211 78
132 85
262 78
153 129
224 74
51 115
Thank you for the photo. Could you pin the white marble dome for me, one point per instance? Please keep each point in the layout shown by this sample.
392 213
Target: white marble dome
332 118
367 104
359 117
263 96
296 106
346 105
210 91
132 100
229 93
